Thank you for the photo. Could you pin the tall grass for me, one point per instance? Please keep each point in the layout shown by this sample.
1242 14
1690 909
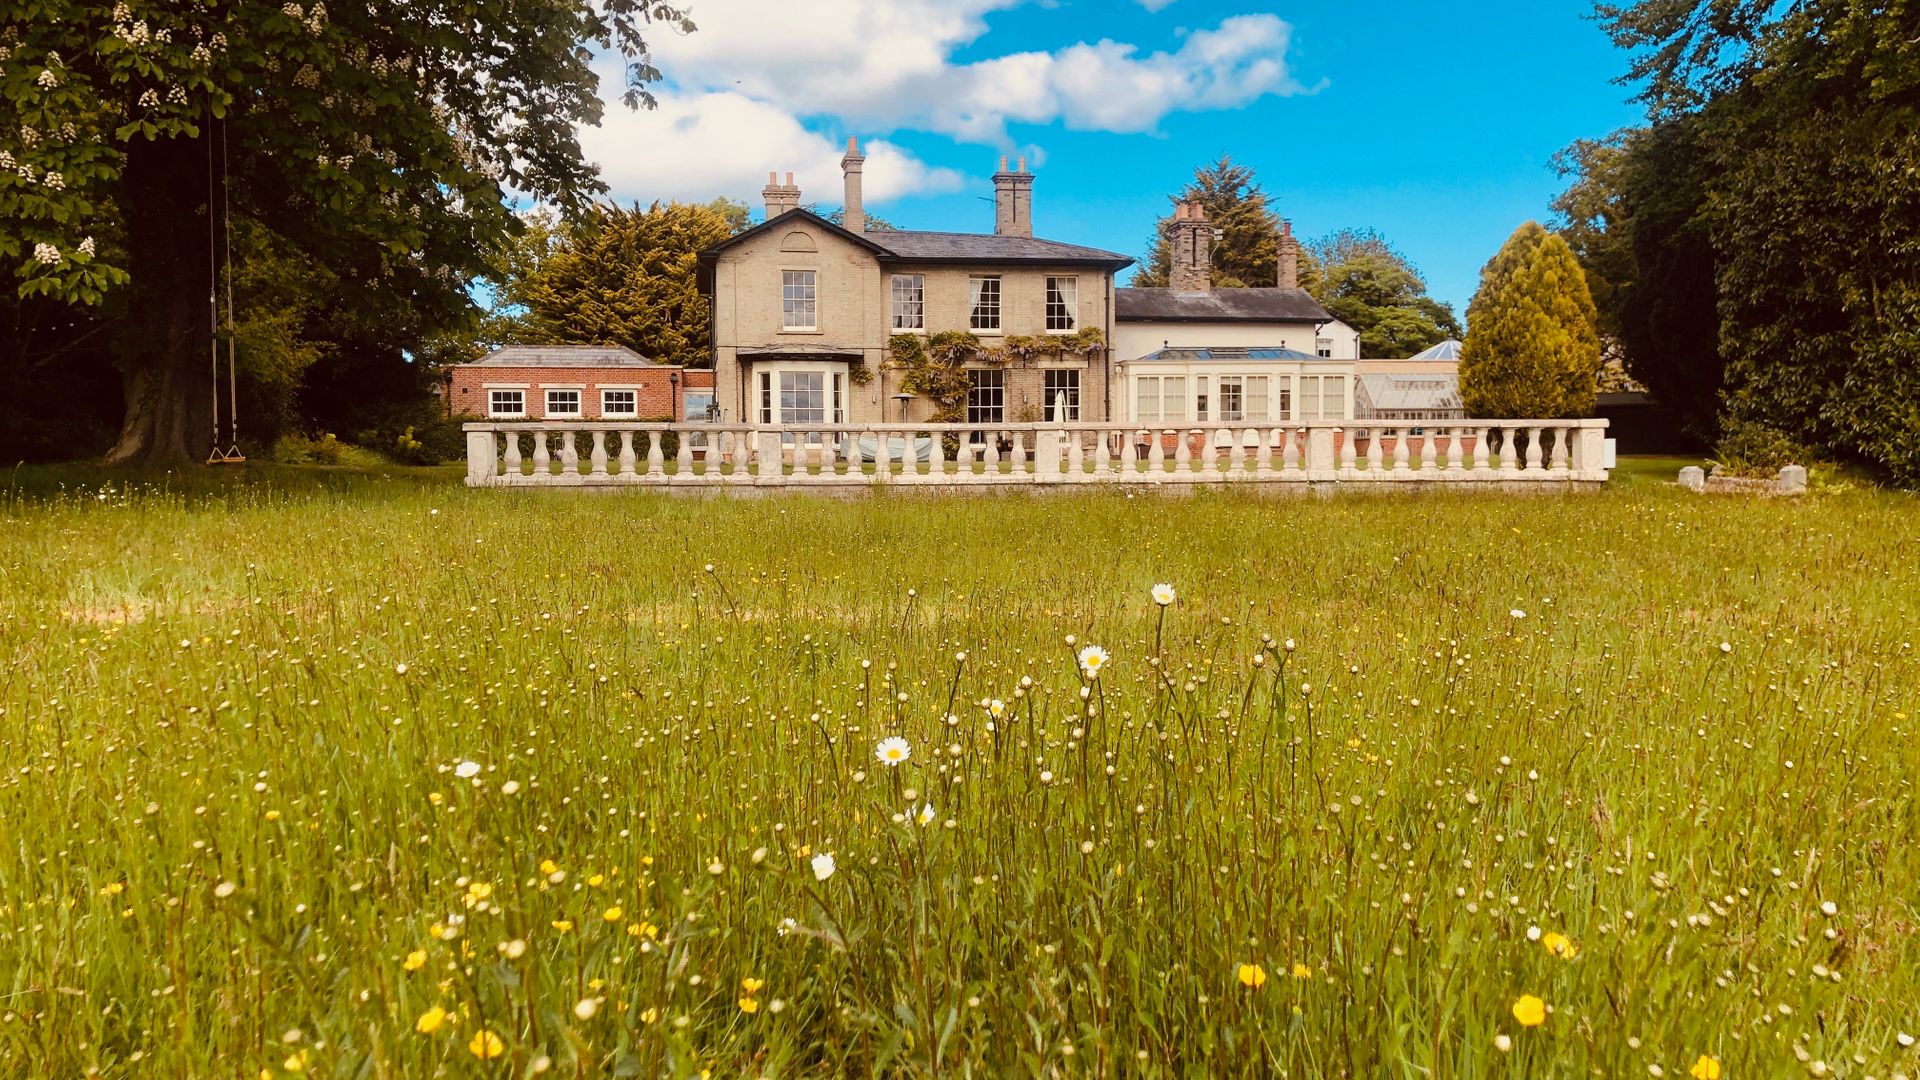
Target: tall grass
1384 767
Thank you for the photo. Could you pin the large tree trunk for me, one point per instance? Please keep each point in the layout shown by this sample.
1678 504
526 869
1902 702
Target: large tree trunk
165 348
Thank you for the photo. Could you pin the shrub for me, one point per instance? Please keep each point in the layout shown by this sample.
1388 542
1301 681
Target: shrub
1750 448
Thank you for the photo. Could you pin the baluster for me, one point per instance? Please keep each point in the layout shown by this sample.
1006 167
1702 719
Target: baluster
598 458
1289 452
1076 453
1455 457
1349 453
1157 451
1102 454
1020 452
512 458
1400 451
937 454
1533 449
569 458
626 454
683 453
1263 450
1236 452
542 462
990 452
1562 437
1479 450
963 453
1427 450
656 461
1374 451
1183 452
1506 451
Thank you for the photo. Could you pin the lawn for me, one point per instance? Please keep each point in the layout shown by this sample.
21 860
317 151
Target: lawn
388 778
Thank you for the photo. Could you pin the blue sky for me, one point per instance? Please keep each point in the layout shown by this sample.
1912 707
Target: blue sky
1432 124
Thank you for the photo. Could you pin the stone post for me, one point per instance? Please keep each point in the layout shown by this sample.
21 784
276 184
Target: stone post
481 447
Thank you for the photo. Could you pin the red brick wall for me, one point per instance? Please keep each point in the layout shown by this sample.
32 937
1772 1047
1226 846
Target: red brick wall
655 393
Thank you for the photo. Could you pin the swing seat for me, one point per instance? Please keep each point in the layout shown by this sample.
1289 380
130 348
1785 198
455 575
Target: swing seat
232 456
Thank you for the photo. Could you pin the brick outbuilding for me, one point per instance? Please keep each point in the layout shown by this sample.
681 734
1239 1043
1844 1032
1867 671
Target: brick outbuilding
583 382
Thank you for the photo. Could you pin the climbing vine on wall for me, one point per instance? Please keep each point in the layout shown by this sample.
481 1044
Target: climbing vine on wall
935 365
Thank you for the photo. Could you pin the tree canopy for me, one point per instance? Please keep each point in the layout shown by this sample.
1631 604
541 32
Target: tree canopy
1369 285
1246 253
1771 201
615 276
377 140
1532 348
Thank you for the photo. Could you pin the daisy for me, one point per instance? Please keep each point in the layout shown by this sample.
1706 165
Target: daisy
467 770
1092 659
892 750
823 866
925 814
1163 594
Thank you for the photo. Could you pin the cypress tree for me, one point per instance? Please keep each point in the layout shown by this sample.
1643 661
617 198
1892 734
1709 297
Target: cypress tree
1532 347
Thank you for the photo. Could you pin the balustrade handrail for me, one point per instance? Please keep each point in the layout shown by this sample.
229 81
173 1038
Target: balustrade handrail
698 453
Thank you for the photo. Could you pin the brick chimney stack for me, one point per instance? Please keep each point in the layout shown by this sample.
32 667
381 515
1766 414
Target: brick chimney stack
1013 200
780 197
854 215
1289 257
1192 241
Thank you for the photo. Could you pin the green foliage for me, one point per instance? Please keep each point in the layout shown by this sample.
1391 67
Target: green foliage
614 277
248 858
935 368
1247 253
1806 120
1747 448
1532 349
1370 286
1636 214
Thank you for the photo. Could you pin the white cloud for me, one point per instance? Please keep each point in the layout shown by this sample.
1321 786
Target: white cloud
694 147
1154 5
887 65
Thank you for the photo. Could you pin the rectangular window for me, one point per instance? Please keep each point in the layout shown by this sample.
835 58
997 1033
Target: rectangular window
987 396
1283 400
1256 394
1233 401
797 300
983 295
619 403
1323 347
698 404
1062 395
506 403
803 396
1063 303
1323 397
909 302
1161 399
561 403
1199 400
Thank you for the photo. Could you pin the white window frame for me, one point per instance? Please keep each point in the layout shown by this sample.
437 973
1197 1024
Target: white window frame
607 410
550 413
494 412
799 301
980 305
1062 313
1158 414
1323 397
767 409
1233 388
908 313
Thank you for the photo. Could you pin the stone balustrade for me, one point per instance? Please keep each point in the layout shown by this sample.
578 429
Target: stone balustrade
611 454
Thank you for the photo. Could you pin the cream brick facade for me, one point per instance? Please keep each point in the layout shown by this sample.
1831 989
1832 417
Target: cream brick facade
853 308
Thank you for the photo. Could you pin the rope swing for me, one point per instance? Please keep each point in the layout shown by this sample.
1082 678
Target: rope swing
224 239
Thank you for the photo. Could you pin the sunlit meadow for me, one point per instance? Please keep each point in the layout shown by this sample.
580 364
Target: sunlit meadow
403 780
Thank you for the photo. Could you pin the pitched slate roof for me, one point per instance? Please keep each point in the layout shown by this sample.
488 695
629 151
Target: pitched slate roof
583 356
911 245
918 246
1236 352
1218 305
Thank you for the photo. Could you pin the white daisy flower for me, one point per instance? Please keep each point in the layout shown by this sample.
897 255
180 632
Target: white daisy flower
1163 594
823 866
892 750
1092 659
467 770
